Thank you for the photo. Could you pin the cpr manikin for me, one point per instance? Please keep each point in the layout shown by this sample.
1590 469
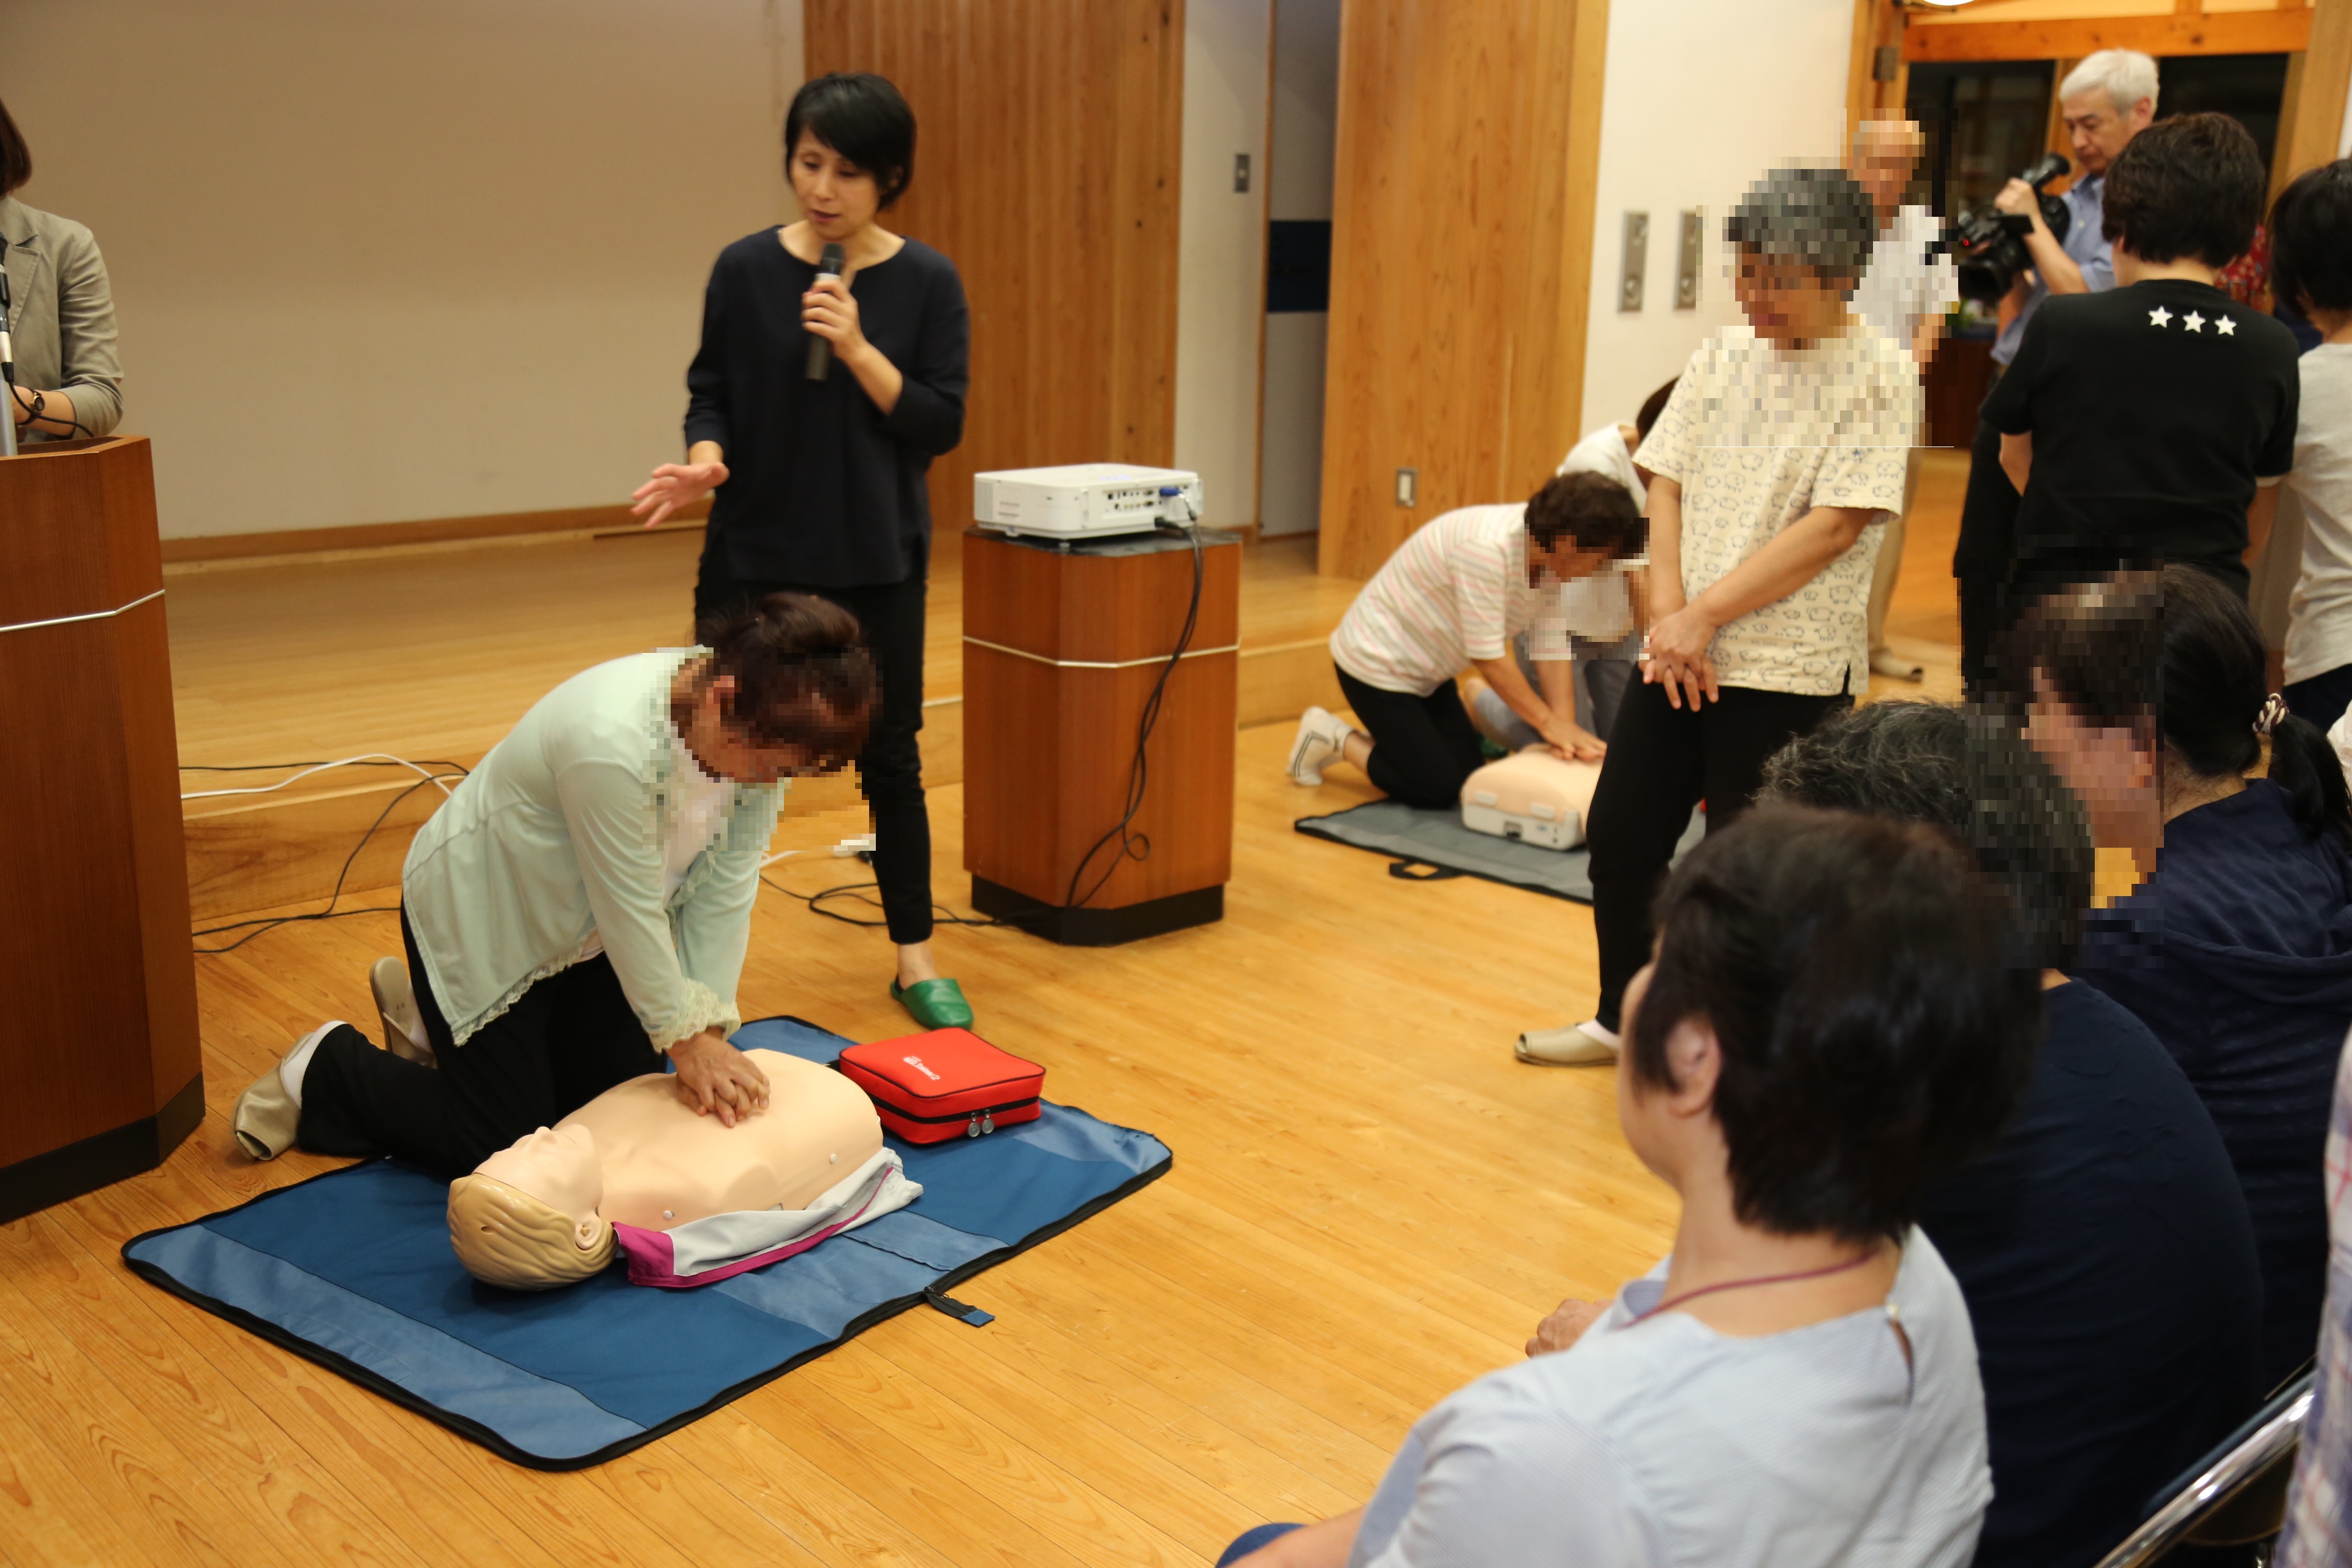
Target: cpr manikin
687 1199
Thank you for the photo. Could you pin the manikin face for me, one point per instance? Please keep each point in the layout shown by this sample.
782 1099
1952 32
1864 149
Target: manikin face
836 196
1786 301
2097 129
561 1170
2109 770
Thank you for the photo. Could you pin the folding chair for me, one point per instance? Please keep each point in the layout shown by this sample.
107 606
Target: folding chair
2235 1495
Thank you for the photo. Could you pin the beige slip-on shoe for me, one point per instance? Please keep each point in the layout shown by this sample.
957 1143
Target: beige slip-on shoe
268 1113
1576 1046
396 1010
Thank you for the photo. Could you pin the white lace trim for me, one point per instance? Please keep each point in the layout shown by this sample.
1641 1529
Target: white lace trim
459 1035
704 1009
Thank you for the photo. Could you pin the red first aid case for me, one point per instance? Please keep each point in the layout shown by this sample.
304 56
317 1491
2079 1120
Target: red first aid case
949 1083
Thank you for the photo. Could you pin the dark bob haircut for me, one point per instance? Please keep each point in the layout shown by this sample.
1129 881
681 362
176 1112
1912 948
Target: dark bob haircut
16 158
1593 510
2189 187
2311 238
802 678
1820 218
1652 407
860 116
1971 772
2176 656
1872 1035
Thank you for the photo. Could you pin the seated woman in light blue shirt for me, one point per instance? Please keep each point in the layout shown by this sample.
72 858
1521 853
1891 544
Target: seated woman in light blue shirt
579 907
1837 1014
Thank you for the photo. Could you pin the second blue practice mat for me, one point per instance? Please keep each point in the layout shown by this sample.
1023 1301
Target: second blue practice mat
1411 837
354 1270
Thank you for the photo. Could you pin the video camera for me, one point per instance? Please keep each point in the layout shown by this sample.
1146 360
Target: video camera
1989 245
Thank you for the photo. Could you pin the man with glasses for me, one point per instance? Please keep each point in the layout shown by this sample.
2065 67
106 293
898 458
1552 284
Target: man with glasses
2106 102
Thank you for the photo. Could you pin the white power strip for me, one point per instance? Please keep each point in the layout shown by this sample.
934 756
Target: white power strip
863 844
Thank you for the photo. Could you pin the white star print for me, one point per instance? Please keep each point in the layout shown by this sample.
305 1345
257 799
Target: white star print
2160 317
2193 322
2226 325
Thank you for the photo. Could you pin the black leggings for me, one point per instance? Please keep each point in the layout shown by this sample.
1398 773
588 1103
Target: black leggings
1662 761
890 768
563 1043
1422 747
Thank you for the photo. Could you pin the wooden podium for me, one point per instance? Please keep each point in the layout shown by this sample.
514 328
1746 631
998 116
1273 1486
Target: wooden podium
1063 645
99 1071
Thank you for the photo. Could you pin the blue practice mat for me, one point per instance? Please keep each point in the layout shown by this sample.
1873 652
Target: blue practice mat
1429 845
354 1270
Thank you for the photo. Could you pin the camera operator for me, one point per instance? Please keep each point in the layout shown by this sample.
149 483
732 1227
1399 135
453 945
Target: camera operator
2106 100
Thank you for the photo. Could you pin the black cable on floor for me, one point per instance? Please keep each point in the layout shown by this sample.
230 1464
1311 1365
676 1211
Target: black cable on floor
271 922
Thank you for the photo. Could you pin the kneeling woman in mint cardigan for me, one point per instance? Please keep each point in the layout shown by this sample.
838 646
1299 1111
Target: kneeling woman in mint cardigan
580 905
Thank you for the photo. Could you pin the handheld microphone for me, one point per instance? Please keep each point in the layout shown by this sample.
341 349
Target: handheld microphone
820 358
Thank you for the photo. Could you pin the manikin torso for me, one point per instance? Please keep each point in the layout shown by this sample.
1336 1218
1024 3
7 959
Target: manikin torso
637 1155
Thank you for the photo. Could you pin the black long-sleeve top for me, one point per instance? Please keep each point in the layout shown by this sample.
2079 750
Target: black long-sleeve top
824 487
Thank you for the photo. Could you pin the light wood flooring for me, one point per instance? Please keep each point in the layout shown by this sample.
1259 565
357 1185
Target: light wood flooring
1372 1202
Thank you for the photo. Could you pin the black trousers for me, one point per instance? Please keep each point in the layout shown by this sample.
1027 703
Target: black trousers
1422 747
1662 761
1984 559
565 1041
2322 699
890 768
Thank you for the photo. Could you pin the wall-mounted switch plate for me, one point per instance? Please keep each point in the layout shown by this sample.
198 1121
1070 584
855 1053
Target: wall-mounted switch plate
1689 247
1408 489
1634 263
1241 173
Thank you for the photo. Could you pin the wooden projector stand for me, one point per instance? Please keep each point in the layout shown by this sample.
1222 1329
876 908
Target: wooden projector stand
99 1070
1063 646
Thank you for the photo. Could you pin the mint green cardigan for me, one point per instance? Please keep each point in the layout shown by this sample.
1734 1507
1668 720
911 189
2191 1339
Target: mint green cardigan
557 837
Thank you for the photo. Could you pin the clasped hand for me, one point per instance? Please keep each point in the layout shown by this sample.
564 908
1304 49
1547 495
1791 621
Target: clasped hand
1676 656
716 1080
2019 200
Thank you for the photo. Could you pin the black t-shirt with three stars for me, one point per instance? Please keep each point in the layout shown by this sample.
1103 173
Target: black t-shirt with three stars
2154 409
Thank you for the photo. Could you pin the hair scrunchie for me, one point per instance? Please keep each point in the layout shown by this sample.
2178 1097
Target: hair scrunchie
2274 710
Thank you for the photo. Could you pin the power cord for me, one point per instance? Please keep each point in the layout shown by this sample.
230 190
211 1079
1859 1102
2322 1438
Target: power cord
1138 845
1131 846
373 759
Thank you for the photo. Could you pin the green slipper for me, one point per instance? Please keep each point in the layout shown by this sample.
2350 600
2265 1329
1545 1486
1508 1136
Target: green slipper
934 1004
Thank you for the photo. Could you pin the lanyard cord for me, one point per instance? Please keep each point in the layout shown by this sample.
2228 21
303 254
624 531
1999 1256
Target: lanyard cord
1760 1280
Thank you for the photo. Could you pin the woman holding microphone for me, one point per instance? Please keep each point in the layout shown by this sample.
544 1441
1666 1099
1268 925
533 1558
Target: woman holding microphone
817 458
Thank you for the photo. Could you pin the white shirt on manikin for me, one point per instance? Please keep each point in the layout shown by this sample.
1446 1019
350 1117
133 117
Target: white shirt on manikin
2319 625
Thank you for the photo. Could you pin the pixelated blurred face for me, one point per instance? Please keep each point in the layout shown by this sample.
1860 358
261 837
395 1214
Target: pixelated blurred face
1786 300
1884 158
2096 129
1565 561
2106 766
730 751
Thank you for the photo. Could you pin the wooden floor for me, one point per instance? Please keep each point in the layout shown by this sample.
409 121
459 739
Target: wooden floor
1372 1202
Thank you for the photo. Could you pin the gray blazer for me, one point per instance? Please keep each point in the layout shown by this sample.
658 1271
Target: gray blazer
61 314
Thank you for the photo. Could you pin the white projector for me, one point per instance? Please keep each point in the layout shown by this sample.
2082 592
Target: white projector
1085 500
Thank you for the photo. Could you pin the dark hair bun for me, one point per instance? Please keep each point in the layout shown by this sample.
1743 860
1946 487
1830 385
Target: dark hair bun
802 675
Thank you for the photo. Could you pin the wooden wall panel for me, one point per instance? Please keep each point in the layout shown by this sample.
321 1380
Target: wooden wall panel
1045 167
1462 256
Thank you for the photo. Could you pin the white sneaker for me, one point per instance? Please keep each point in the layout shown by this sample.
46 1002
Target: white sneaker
1584 1045
1322 741
395 1008
1893 665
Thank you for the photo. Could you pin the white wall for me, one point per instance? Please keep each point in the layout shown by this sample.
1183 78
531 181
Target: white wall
1221 256
1701 97
1305 111
430 258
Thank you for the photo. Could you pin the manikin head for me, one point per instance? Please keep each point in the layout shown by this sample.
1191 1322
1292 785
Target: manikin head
1799 240
2106 102
527 1217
